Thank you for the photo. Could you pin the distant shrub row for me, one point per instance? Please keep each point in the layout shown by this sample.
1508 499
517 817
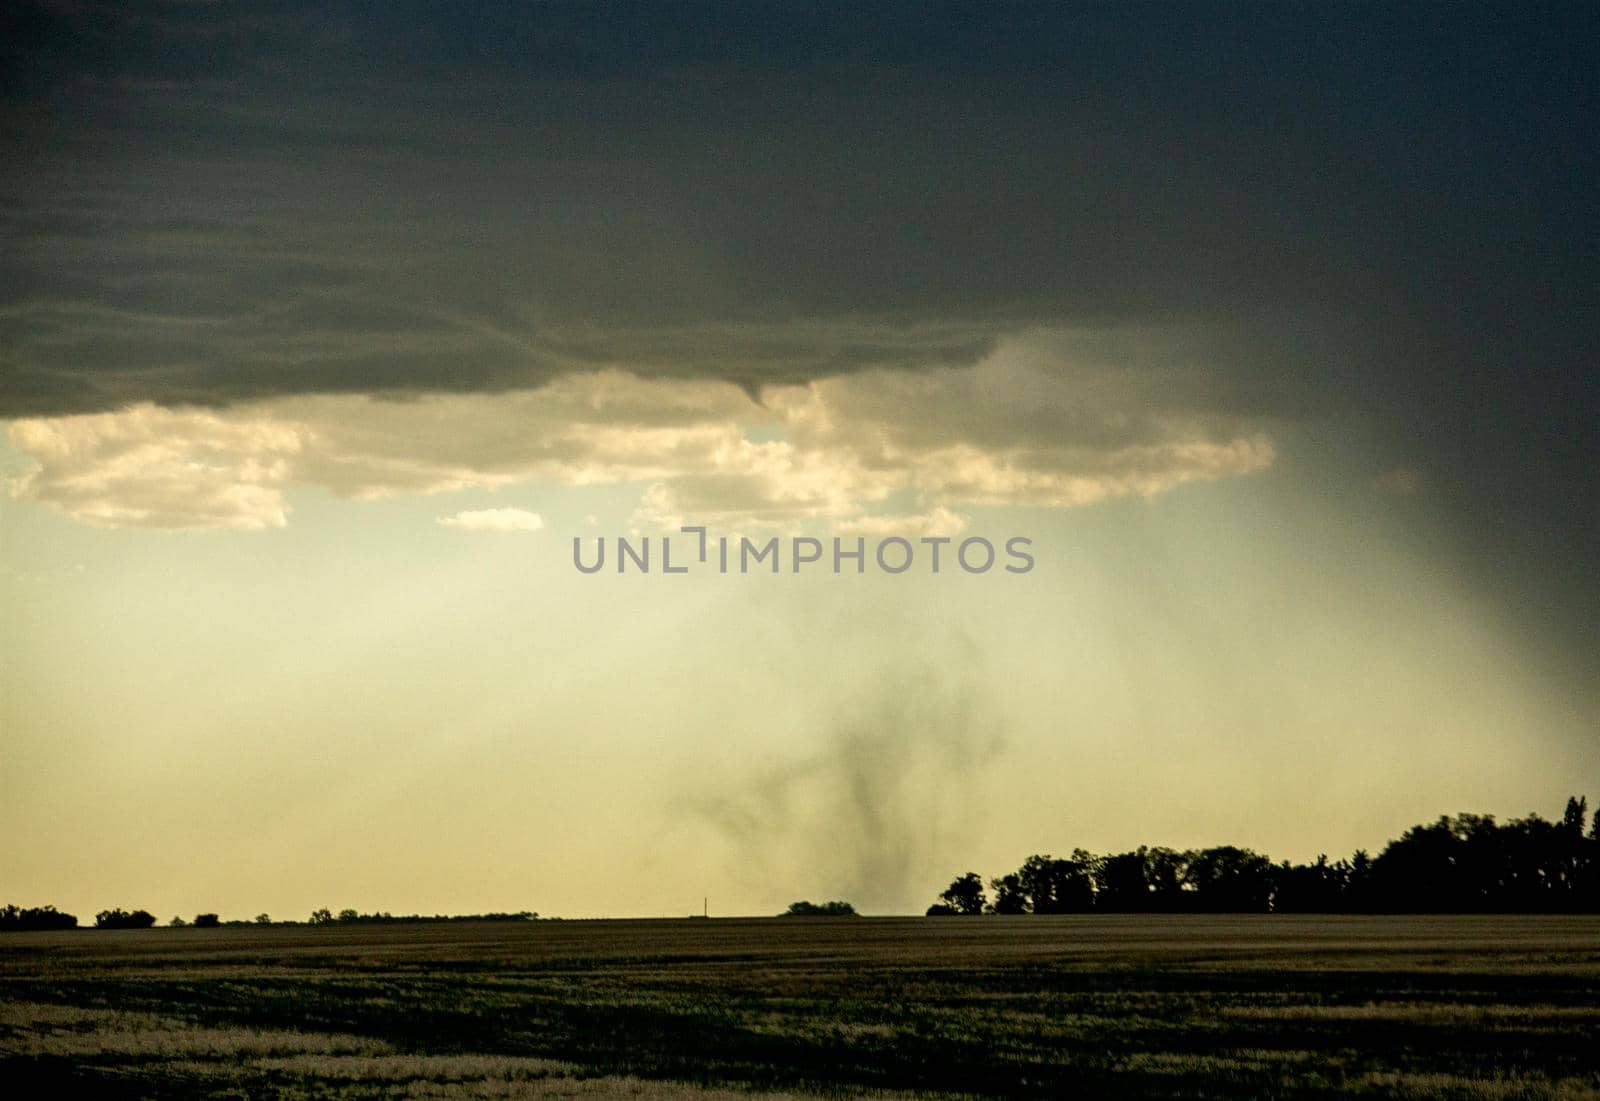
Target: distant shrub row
18 919
1465 864
351 917
825 909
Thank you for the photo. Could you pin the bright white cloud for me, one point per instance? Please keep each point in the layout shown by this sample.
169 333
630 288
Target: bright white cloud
1044 422
162 468
494 519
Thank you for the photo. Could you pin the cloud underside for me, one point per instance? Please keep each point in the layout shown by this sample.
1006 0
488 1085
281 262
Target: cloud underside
1044 420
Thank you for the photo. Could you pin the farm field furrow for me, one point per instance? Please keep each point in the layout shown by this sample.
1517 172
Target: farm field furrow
1485 1007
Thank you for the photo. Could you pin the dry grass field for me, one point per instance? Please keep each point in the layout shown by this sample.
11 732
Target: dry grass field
1490 1008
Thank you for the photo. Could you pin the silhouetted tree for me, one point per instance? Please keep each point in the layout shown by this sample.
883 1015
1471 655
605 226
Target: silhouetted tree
15 919
1358 895
206 921
965 896
1586 875
1056 886
1468 863
826 909
1576 813
122 919
1230 880
322 917
1009 896
1168 874
1122 883
1317 888
1420 870
1573 866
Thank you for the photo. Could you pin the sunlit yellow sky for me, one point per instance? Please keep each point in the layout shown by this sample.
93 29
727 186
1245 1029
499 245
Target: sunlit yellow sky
326 329
367 707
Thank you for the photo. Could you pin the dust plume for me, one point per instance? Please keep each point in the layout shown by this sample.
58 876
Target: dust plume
892 791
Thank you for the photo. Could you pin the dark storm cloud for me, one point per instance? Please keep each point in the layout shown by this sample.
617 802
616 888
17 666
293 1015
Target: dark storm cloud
304 179
1386 211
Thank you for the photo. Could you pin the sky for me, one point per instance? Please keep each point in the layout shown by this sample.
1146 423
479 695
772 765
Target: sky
326 330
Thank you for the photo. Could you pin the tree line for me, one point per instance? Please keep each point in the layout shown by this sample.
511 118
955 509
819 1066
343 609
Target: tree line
1463 864
17 918
1468 863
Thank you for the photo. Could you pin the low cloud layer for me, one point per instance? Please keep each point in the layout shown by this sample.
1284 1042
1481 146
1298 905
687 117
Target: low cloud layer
163 468
838 450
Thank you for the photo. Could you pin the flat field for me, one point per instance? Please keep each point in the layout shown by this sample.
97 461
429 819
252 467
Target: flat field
1117 1007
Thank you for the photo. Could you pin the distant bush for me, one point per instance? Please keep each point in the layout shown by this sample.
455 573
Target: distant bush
15 919
206 921
121 919
826 909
